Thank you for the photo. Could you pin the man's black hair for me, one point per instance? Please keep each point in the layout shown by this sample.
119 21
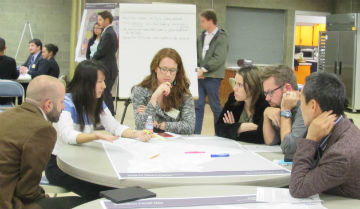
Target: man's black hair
328 90
2 44
37 42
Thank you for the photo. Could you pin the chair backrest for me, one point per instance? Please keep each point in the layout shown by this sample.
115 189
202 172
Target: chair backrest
10 88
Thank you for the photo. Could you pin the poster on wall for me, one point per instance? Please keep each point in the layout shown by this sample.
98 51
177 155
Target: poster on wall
88 20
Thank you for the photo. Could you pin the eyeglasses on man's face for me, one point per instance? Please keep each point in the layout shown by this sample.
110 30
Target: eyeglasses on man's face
271 92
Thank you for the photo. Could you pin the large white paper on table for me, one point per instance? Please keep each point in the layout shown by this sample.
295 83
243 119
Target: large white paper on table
230 202
186 157
282 195
262 148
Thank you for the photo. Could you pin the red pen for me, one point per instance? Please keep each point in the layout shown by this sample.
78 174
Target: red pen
195 152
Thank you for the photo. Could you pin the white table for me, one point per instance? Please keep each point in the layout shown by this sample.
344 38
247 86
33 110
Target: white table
331 202
89 162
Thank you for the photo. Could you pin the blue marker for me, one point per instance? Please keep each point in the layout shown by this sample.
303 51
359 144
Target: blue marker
282 162
220 155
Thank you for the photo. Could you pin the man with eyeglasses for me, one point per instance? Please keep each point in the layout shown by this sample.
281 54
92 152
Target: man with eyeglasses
283 122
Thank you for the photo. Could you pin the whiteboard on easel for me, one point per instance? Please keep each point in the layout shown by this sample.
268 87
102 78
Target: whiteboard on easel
144 29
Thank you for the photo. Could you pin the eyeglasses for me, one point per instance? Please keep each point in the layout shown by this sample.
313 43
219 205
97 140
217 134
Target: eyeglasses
171 70
271 92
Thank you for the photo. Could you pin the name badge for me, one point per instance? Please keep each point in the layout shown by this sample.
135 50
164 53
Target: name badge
33 66
173 113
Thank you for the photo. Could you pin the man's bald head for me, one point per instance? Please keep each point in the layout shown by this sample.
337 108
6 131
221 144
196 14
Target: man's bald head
44 87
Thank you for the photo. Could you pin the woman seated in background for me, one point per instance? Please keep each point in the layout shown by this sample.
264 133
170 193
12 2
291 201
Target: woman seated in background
165 95
242 116
84 108
48 53
47 65
94 41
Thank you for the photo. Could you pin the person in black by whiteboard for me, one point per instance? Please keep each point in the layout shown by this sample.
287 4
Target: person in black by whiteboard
106 55
94 41
47 65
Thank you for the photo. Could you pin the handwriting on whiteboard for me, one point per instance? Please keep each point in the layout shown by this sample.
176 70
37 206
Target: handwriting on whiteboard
154 27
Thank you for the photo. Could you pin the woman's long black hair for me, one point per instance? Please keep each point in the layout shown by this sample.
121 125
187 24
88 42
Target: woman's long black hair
94 36
52 48
82 89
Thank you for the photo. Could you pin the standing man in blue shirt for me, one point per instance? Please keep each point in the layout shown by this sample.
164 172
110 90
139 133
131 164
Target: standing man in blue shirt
212 49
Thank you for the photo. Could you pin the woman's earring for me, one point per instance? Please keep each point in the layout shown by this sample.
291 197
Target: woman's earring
174 83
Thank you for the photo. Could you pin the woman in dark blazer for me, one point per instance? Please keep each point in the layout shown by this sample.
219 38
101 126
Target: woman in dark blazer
242 115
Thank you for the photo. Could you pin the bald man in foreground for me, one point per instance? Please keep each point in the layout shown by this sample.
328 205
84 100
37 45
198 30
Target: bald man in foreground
27 139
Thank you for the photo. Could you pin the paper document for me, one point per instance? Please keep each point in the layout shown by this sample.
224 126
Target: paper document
24 77
282 195
262 148
230 202
198 202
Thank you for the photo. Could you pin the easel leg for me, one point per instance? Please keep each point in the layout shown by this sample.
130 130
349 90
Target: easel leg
127 102
27 23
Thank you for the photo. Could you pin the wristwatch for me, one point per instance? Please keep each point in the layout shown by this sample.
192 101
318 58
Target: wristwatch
286 113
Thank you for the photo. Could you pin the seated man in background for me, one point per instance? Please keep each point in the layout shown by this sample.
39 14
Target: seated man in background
283 122
328 159
27 138
7 64
7 68
31 64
